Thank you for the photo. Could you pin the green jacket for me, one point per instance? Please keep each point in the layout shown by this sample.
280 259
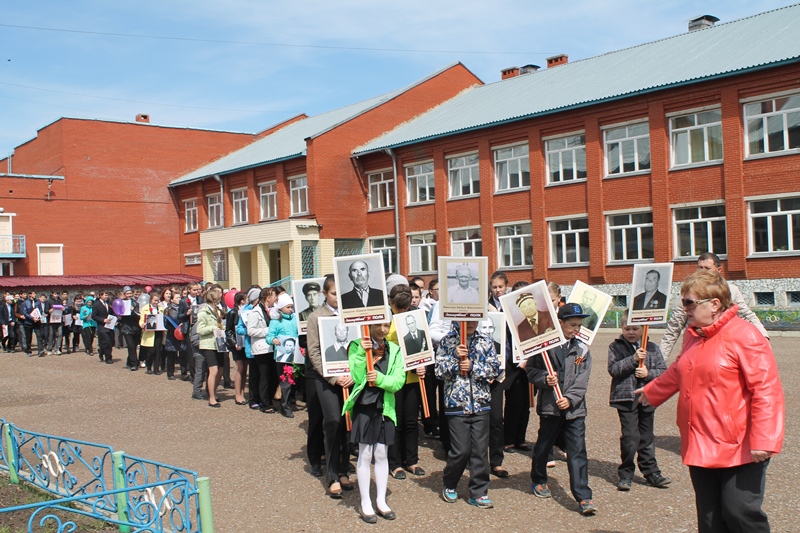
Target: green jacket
391 382
207 322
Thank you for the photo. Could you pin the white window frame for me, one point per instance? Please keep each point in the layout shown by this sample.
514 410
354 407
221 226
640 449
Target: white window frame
458 245
190 215
415 174
379 245
503 167
298 192
239 201
459 168
764 117
522 240
417 250
708 221
39 257
193 259
381 190
563 236
268 197
637 140
216 211
552 152
675 131
788 213
626 229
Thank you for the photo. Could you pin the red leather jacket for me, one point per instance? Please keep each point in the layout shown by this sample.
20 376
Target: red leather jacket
731 398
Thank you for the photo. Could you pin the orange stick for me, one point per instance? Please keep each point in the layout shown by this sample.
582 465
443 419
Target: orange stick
425 411
346 395
365 333
463 341
531 390
644 344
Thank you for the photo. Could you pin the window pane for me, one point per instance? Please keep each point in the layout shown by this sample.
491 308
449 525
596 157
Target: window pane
555 171
570 245
613 158
639 129
502 175
643 148
686 214
697 145
642 218
557 144
767 206
700 238
628 157
580 156
619 220
561 225
720 246
715 143
615 134
793 123
713 211
558 249
709 117
775 133
632 243
760 234
526 172
567 165
505 153
795 232
584 246
792 102
681 148
580 223
616 245
752 109
684 240
780 233
648 248
683 122
755 136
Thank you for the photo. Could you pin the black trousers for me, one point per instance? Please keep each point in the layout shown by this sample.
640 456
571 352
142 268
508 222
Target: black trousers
130 342
432 422
517 411
153 358
496 431
637 436
574 432
469 443
405 450
88 339
327 428
105 341
729 499
285 384
262 372
24 338
10 340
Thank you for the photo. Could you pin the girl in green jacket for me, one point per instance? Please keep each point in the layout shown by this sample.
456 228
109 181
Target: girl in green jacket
373 414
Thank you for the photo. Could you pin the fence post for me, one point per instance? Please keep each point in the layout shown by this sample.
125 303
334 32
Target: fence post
119 483
11 455
204 501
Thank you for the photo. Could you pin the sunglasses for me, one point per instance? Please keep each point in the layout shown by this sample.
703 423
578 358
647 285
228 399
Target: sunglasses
688 303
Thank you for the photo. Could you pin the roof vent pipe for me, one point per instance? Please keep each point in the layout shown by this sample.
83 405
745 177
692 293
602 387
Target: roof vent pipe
702 22
527 69
560 59
510 72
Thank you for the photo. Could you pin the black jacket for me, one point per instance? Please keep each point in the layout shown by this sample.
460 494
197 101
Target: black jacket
622 365
100 311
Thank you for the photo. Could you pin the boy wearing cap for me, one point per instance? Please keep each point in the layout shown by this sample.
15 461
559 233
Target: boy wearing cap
572 364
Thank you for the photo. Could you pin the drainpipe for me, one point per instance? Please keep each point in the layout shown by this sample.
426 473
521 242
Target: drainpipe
396 209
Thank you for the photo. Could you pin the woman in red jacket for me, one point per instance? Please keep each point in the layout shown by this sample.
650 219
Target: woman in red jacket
730 407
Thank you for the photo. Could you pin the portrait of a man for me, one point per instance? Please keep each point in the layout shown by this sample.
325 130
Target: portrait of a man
651 298
284 353
311 293
361 295
414 340
338 350
462 292
588 300
535 322
486 328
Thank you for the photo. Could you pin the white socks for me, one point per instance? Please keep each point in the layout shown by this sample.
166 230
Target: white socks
365 453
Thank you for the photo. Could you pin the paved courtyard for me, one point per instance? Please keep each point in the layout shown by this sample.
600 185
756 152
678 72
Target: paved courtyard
259 475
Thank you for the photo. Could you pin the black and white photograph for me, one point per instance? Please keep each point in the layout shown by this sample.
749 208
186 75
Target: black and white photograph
650 293
334 339
594 303
494 326
462 294
532 319
414 338
308 298
288 350
361 289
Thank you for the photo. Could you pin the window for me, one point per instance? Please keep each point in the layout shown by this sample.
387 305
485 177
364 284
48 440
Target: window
566 158
381 190
630 237
298 189
220 265
514 246
419 183
775 225
388 249
699 230
51 259
268 198
696 138
627 149
466 243
793 298
193 259
773 125
346 247
215 219
190 214
619 300
308 259
423 252
569 241
764 299
239 206
512 168
464 176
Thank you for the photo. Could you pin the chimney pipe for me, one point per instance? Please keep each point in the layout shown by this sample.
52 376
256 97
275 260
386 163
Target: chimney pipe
701 22
527 69
510 72
141 117
560 59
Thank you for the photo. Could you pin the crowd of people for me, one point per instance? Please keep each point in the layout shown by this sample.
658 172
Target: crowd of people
730 407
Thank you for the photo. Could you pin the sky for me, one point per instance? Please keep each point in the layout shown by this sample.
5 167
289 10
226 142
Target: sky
245 65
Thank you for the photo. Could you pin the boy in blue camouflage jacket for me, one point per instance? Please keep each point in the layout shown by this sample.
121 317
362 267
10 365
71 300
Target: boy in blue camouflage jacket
467 372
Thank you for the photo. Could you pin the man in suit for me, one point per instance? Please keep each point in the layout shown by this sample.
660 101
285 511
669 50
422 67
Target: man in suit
8 320
311 292
362 294
24 322
535 322
651 298
101 312
338 350
587 301
414 340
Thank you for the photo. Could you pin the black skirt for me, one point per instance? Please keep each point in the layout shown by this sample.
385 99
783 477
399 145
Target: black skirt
370 426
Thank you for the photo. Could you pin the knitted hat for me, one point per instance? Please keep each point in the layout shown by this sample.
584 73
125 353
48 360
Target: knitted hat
253 294
395 279
283 300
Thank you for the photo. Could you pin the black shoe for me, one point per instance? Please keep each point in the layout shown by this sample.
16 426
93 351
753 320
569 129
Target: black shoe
368 518
148 371
171 378
523 447
624 484
266 410
198 397
287 413
316 470
156 372
657 480
109 361
351 469
398 474
500 472
133 368
388 515
227 386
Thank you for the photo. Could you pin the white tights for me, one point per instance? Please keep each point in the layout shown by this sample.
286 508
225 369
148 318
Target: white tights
365 454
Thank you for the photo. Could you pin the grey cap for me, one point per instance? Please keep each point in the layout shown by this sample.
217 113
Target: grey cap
126 288
253 294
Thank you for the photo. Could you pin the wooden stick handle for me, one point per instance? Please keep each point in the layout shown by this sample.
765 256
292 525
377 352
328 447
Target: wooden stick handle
551 372
370 366
463 341
425 411
644 344
346 395
531 390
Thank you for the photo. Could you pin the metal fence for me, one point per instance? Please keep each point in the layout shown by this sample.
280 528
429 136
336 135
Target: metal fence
93 480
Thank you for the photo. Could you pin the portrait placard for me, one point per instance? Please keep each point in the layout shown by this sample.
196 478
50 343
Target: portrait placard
308 297
288 349
461 293
594 303
414 338
334 338
361 289
532 319
650 294
494 326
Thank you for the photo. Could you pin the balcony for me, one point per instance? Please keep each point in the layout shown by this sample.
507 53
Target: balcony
12 246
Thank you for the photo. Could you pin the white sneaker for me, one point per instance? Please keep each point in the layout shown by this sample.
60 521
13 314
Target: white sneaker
142 365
